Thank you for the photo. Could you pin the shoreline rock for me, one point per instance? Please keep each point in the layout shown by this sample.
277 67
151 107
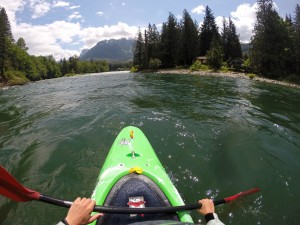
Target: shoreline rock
226 74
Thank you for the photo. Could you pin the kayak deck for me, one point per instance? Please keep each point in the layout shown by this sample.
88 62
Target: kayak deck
135 186
132 169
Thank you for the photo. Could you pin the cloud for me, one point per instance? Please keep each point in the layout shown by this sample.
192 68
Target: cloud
92 35
74 15
244 19
199 9
55 38
60 4
123 4
74 7
39 8
51 38
99 13
11 7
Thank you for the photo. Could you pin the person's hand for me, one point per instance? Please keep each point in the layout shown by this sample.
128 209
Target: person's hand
80 212
207 206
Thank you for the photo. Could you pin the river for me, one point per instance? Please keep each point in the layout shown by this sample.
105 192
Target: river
216 136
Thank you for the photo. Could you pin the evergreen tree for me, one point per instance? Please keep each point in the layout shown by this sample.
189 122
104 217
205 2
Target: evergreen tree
188 40
169 42
215 55
74 64
208 31
153 41
146 57
5 39
138 55
230 41
64 67
224 39
288 56
297 38
269 42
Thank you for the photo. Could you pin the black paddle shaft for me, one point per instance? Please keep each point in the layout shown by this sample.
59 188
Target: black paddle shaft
117 210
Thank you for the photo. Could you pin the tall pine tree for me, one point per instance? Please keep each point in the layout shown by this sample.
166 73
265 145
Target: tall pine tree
188 40
138 55
153 41
169 42
215 55
297 38
230 41
208 31
5 39
269 41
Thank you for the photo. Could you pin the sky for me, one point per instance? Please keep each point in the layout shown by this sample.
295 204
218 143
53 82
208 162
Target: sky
63 28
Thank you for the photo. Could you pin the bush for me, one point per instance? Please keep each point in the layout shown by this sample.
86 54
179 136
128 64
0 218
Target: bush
16 77
134 69
251 75
196 66
224 69
154 64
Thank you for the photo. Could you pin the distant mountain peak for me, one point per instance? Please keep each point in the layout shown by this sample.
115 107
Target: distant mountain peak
111 50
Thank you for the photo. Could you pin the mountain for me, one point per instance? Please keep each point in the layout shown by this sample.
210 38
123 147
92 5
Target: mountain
245 47
111 50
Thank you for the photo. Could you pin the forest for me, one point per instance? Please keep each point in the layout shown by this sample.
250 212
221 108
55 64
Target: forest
274 52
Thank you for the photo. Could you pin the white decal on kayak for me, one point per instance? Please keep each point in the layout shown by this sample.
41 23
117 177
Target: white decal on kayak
124 142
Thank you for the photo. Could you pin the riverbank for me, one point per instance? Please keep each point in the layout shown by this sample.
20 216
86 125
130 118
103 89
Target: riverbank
227 74
22 81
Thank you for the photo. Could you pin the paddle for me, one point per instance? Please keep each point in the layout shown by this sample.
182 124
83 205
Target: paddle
12 189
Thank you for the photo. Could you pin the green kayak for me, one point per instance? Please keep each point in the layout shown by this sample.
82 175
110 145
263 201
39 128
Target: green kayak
133 176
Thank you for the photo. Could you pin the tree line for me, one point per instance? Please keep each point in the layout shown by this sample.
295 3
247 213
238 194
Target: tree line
17 66
274 52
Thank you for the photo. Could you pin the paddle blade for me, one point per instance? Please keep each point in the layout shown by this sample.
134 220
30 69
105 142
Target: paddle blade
234 197
12 189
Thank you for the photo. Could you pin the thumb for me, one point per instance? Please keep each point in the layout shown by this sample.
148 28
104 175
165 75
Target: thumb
94 217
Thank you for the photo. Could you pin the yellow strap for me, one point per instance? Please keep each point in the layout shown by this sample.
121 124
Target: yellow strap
136 170
131 134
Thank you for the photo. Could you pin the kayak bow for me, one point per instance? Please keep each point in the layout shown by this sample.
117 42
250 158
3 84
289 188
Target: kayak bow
133 176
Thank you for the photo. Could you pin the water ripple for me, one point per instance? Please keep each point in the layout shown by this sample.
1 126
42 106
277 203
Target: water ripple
215 137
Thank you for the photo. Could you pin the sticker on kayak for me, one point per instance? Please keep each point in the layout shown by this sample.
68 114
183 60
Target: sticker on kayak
124 142
136 202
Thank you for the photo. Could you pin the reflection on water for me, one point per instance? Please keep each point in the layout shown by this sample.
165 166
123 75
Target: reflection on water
215 136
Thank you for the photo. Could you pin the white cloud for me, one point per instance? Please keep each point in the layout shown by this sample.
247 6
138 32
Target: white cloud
11 7
75 7
99 13
74 15
60 4
50 39
53 38
123 4
244 19
91 35
39 8
199 9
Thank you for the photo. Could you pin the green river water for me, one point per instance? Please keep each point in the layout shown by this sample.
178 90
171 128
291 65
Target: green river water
215 137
